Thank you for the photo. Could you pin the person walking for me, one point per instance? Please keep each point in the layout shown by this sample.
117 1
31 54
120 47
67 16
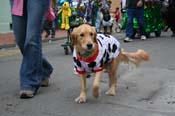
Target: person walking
135 8
168 14
99 17
117 16
49 23
27 19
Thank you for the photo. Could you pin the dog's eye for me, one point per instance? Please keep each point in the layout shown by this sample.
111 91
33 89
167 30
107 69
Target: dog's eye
81 35
91 34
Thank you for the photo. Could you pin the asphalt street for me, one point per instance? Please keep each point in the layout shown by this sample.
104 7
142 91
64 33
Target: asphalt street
145 91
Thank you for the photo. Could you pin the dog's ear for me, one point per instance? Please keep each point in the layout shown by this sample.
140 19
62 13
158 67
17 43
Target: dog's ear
73 37
95 33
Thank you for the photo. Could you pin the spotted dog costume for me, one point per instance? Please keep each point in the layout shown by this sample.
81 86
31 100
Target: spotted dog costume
108 48
108 23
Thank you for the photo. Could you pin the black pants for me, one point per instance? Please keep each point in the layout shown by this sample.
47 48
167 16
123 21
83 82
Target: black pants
49 27
169 17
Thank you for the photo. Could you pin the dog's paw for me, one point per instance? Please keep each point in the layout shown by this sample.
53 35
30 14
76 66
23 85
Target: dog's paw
80 99
110 92
96 91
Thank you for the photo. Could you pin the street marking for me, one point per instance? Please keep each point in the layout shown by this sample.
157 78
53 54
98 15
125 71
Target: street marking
4 53
10 52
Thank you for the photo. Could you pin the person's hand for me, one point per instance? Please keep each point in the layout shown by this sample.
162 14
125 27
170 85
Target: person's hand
139 3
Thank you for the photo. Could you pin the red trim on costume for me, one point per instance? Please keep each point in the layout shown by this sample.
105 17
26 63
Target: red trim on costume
80 72
99 69
90 59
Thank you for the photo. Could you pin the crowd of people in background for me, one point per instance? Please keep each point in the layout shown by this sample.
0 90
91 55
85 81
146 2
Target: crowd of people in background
92 12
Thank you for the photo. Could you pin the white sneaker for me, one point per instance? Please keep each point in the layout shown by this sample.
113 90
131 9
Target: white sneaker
127 39
143 37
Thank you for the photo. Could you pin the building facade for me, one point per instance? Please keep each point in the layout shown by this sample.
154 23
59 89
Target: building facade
5 16
115 3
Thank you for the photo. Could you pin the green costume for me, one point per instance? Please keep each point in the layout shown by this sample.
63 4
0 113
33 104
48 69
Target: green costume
152 14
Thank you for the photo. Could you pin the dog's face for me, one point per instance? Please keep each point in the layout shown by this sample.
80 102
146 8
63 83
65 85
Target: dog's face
84 38
106 15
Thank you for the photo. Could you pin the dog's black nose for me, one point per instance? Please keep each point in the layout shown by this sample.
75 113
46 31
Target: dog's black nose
89 46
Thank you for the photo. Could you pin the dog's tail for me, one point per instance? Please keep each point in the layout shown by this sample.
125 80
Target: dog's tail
134 57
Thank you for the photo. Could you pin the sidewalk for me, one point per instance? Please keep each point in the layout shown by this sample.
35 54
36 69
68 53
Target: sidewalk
7 39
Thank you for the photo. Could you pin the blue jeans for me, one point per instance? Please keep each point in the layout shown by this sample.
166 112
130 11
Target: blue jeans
27 30
138 13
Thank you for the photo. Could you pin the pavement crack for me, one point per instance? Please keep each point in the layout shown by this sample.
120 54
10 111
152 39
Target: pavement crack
150 96
135 107
171 68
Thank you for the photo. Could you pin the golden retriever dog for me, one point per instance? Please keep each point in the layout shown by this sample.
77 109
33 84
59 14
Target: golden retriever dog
95 52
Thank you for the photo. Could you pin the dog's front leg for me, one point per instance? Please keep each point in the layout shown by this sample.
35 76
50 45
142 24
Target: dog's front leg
82 97
96 84
112 83
111 29
112 72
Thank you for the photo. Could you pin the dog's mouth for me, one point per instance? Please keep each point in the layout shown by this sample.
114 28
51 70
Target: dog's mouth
88 50
89 53
86 54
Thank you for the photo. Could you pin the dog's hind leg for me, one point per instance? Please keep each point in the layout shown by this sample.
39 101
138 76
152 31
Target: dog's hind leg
82 96
112 72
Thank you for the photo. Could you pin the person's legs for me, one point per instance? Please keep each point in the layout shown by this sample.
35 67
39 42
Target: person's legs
129 28
173 29
47 28
98 25
53 29
19 29
141 21
31 72
47 68
27 31
171 22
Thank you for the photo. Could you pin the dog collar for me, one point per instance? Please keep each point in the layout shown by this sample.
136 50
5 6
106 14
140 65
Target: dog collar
85 54
85 57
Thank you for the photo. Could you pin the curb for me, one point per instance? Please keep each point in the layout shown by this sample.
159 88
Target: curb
45 40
